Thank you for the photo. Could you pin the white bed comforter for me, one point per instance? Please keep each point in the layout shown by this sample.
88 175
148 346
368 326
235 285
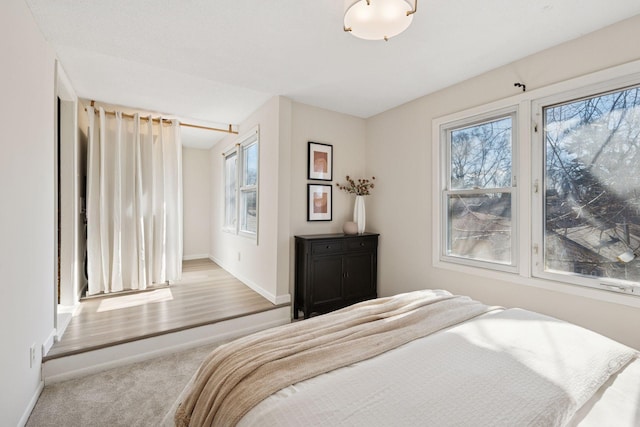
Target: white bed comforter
508 368
237 376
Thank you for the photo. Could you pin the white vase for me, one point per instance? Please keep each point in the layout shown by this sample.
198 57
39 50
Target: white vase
359 215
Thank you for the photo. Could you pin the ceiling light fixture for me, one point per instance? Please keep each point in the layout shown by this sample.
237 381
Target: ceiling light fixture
378 19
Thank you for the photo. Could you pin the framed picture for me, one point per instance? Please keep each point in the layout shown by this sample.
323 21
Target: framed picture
319 204
320 165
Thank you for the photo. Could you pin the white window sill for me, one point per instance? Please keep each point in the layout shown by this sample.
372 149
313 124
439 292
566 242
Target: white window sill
552 285
248 235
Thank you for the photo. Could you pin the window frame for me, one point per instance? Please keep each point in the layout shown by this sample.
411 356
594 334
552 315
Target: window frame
230 227
600 81
444 188
249 139
538 177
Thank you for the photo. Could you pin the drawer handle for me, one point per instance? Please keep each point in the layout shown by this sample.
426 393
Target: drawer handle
328 247
362 244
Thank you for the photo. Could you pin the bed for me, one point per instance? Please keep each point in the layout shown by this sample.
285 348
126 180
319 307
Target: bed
425 358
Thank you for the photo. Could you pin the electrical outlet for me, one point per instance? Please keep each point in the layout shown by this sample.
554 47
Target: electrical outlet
32 355
238 256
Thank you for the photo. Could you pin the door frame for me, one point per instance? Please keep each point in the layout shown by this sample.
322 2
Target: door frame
67 190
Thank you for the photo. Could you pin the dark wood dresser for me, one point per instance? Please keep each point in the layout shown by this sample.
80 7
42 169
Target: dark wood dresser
333 271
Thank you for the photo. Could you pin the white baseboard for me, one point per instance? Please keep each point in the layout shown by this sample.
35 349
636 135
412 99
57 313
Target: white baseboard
280 299
82 364
32 403
64 315
283 299
190 257
48 343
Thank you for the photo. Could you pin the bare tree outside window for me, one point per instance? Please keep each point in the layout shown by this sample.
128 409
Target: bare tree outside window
249 189
481 155
479 199
592 186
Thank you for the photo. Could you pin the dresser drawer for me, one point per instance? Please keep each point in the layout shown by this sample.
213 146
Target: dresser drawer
328 247
364 244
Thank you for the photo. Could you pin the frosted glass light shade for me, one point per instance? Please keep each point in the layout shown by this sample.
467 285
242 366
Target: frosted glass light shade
378 19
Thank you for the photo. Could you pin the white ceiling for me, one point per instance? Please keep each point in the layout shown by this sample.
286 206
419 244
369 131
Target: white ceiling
216 61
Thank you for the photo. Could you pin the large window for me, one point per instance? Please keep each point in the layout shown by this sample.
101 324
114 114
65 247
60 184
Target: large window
241 186
591 195
478 198
543 188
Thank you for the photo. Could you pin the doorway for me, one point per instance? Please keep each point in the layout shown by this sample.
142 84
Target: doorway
69 209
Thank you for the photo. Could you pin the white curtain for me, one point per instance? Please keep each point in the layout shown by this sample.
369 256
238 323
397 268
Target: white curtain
134 202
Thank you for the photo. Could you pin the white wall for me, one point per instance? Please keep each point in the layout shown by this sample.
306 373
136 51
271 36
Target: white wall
286 127
347 136
68 204
196 184
27 214
399 154
255 262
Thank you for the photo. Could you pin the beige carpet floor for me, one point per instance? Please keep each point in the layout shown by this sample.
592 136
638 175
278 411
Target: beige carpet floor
139 394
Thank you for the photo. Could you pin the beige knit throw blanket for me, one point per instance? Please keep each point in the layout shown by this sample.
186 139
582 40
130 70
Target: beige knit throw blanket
237 376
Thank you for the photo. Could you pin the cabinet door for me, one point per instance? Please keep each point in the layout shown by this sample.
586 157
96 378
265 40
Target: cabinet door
358 275
326 279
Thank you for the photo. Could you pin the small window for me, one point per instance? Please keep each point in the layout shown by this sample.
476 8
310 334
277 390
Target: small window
591 178
250 164
479 195
230 190
241 186
249 187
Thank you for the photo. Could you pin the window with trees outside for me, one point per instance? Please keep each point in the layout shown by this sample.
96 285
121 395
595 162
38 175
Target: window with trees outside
574 148
479 198
230 190
591 197
241 186
249 187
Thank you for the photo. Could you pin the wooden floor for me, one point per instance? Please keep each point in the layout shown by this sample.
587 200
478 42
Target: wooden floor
206 294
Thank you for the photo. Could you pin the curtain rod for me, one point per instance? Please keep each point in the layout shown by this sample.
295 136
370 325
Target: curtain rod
158 119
